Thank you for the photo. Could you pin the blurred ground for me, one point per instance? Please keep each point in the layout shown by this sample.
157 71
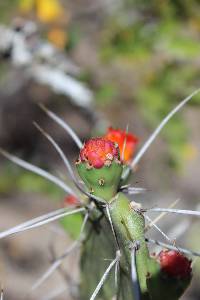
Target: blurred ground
129 60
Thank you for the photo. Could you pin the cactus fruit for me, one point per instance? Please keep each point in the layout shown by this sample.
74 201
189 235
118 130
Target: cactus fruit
98 152
175 264
123 138
71 200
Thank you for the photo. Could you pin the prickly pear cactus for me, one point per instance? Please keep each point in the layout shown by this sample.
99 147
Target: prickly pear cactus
117 229
115 260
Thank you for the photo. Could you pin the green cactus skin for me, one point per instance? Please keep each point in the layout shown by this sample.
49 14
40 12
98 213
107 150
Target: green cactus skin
103 182
129 226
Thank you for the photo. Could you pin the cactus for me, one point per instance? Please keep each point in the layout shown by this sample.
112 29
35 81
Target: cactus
113 226
102 175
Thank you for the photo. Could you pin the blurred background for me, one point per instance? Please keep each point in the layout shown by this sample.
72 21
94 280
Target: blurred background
95 63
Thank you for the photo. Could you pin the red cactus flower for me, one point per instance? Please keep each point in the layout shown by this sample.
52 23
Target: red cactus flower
99 152
70 200
175 264
120 137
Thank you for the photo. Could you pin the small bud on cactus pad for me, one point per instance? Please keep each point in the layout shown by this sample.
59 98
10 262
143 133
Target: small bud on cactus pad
98 152
175 264
70 200
100 167
120 137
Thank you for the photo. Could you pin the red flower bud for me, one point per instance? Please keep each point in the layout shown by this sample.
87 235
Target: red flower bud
71 200
99 152
175 264
120 137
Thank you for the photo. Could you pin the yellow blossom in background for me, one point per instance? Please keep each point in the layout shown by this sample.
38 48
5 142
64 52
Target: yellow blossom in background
26 5
58 37
48 10
194 23
190 152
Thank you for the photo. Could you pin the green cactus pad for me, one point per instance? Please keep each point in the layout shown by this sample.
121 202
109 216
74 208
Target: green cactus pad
103 182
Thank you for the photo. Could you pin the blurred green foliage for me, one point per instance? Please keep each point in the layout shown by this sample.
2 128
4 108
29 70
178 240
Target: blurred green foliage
159 42
14 179
7 9
105 93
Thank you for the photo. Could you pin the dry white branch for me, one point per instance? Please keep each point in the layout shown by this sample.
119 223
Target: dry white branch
43 62
61 83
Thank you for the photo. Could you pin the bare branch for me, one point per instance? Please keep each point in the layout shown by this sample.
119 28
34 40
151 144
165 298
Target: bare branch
62 83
